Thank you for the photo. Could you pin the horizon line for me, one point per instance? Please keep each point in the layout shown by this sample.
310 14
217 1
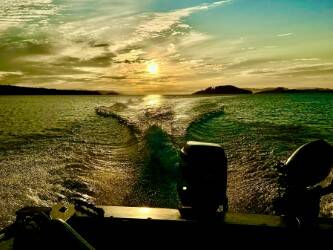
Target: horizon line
164 93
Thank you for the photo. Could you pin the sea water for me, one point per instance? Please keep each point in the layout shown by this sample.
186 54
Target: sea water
123 150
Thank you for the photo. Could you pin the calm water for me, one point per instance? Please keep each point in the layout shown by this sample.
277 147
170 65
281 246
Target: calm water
124 150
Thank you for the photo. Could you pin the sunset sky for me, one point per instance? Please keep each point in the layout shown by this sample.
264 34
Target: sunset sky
166 46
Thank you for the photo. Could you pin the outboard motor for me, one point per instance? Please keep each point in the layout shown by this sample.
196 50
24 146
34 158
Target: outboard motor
303 171
203 186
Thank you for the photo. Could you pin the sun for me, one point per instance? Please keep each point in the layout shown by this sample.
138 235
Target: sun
152 68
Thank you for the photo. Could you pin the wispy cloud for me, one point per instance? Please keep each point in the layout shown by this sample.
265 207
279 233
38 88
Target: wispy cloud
292 68
8 73
285 34
307 59
164 24
13 13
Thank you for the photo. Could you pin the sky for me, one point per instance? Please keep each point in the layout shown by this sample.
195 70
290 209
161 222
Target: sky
166 46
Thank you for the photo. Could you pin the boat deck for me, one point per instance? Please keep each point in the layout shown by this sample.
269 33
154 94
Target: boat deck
142 227
133 224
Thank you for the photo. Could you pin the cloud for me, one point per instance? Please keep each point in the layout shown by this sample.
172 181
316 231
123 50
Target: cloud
124 37
129 57
284 34
259 71
306 59
193 38
14 13
162 24
292 68
249 62
319 69
4 73
10 77
120 77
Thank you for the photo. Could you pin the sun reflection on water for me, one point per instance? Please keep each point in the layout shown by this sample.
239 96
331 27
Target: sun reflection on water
153 101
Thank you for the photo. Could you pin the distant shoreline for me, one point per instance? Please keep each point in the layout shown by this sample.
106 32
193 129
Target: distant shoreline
282 90
233 90
210 91
16 90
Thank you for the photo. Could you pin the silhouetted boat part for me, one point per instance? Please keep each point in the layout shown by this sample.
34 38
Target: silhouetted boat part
199 219
142 226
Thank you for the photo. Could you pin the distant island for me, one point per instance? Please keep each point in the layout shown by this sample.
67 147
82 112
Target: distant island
223 90
282 90
16 90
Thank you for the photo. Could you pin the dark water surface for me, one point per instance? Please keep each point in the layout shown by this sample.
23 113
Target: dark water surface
124 150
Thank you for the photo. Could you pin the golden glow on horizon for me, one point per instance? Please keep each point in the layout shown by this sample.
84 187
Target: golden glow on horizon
152 68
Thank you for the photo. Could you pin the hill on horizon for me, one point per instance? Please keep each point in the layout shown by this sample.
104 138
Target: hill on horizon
17 90
282 90
223 90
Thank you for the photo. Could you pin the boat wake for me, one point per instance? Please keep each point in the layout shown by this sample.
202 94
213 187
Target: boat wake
160 126
172 116
109 112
